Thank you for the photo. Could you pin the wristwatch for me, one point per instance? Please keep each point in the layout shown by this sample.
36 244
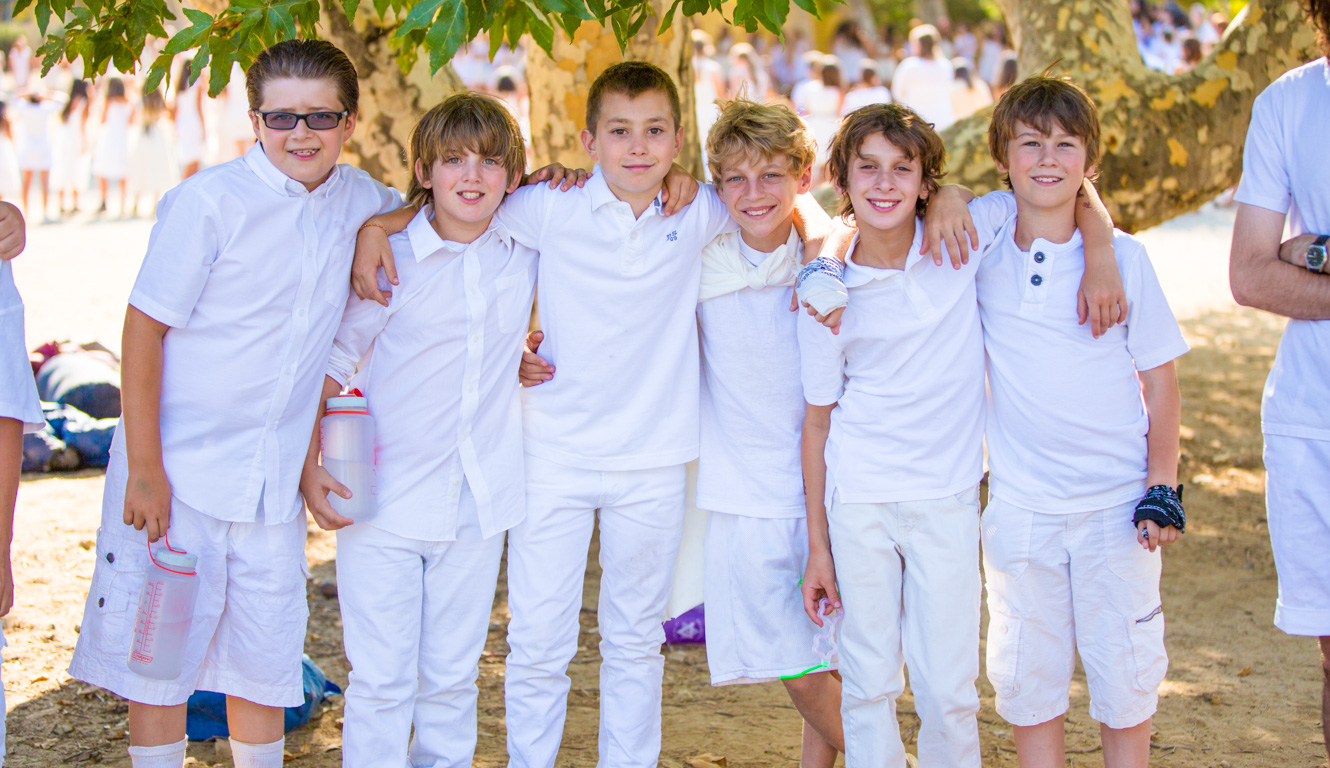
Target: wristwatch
1316 255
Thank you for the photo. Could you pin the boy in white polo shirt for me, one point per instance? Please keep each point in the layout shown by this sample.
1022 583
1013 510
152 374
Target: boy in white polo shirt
1083 448
416 580
226 340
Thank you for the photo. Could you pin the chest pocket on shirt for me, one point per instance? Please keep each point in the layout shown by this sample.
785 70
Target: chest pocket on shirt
512 302
338 286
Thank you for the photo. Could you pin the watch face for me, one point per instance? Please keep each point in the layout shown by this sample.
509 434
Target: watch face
1316 257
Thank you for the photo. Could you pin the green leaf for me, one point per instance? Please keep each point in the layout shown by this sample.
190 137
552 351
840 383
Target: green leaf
421 16
668 18
43 13
808 5
349 8
517 22
575 7
570 23
542 32
281 23
446 34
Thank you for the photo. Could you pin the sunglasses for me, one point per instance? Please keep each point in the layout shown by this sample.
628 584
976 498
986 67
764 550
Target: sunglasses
316 121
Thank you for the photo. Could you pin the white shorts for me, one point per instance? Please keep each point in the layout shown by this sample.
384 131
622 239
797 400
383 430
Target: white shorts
757 630
1297 501
248 633
1059 584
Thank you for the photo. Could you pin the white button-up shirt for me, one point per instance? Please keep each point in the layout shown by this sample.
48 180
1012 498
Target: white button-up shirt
251 271
18 390
439 368
618 303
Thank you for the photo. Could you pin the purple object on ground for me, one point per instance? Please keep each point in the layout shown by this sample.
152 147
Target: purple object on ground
688 627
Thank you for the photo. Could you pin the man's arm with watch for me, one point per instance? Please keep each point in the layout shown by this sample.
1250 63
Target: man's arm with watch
1265 275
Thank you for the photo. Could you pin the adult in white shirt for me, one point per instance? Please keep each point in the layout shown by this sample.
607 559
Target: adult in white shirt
869 90
923 81
1284 176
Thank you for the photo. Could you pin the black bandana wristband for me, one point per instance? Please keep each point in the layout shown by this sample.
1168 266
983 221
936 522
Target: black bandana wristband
1163 506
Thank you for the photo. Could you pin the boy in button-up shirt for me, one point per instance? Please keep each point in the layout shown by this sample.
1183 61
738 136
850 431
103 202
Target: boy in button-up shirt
438 367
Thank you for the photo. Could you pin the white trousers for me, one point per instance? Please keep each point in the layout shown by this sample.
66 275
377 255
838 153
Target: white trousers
908 574
1297 501
415 615
641 521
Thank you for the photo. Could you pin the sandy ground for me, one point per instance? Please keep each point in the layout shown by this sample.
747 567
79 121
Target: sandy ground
1238 693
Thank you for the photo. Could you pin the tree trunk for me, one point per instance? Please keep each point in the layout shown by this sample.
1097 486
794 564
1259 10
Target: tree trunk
390 102
1170 143
559 83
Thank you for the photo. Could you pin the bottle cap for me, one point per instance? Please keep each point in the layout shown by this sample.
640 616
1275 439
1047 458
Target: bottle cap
176 561
351 402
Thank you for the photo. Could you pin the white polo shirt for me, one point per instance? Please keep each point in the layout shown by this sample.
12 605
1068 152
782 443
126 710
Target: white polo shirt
439 368
18 390
1067 422
1285 168
618 303
752 402
251 271
907 371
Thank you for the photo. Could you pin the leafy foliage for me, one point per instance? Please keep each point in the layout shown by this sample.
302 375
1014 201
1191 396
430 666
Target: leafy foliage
115 33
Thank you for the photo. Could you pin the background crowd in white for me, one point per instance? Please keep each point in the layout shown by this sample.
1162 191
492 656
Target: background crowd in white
69 144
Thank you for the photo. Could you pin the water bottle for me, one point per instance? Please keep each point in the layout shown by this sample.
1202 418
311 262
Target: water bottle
166 610
348 454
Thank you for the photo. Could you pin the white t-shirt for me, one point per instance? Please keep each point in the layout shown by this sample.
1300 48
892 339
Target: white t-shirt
907 371
438 367
1285 168
252 273
18 390
1067 423
752 403
924 85
618 305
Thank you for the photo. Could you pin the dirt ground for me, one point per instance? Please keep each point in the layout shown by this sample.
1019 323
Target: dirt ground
1238 692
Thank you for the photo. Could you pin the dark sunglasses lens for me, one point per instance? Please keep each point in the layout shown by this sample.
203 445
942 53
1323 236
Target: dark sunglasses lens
280 121
322 121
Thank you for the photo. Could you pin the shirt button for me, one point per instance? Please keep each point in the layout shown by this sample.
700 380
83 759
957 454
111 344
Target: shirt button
110 557
634 235
1039 257
101 602
300 313
1036 280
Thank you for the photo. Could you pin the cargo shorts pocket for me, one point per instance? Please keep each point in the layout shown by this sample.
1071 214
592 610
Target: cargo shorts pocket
117 581
1004 645
1125 557
1145 633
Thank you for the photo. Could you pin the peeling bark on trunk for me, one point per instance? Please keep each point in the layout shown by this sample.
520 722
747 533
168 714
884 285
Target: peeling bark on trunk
559 84
1169 143
390 102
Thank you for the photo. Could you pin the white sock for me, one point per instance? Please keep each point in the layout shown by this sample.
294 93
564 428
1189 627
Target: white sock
164 756
248 755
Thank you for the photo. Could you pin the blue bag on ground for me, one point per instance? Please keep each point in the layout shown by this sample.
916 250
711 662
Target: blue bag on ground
82 379
205 713
90 437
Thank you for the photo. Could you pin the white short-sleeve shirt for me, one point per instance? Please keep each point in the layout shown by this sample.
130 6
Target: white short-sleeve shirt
1067 423
907 371
1286 168
439 368
617 304
752 402
252 272
18 390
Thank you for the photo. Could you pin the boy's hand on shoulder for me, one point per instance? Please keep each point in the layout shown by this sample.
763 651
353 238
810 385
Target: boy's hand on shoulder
948 223
372 252
1101 299
678 189
13 233
558 176
148 502
819 582
315 485
534 369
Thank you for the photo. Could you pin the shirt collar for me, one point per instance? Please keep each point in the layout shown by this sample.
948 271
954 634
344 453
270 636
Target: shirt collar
425 241
859 274
282 184
601 194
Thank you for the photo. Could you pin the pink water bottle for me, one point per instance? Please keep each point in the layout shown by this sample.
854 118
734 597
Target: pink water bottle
348 454
166 611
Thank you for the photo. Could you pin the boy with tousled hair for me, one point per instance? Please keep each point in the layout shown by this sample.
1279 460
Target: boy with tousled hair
1286 178
449 468
749 477
1082 448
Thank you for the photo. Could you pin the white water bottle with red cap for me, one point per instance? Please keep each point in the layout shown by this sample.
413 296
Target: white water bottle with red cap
166 611
348 454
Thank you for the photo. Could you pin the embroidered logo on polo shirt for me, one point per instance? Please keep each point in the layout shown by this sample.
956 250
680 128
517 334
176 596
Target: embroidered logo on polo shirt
672 236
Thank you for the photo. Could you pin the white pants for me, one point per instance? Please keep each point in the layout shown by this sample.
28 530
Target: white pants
908 575
1297 500
1059 583
415 615
641 521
